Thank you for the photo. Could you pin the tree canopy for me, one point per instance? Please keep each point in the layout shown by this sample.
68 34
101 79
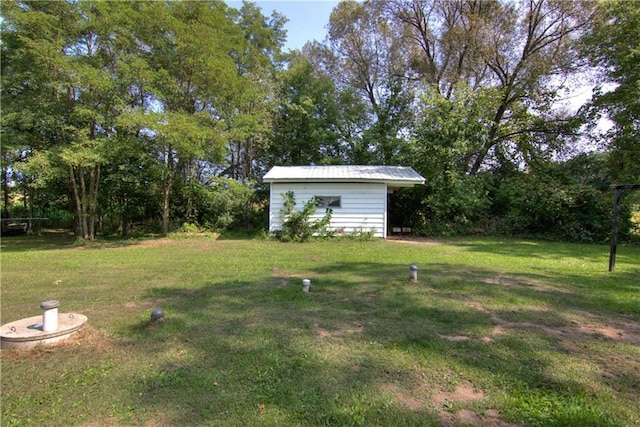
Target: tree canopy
157 114
614 47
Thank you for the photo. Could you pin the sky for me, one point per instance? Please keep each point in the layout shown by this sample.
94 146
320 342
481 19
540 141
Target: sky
308 19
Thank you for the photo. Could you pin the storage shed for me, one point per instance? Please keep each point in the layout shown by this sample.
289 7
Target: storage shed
356 194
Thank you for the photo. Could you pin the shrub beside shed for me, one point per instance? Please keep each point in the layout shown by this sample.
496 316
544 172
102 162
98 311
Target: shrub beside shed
356 194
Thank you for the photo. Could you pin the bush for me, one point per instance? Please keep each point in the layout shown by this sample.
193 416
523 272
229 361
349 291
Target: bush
558 201
297 226
220 205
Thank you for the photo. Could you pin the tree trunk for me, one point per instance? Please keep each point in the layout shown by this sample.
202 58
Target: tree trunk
5 190
80 228
94 181
85 200
168 182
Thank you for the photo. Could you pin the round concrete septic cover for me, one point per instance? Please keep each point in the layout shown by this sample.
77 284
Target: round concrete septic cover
27 333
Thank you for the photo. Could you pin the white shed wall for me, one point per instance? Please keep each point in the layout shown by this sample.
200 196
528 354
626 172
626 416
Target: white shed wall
363 205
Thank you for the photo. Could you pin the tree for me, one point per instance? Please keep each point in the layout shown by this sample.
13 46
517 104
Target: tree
85 84
60 91
567 201
249 113
305 128
364 54
523 50
613 45
130 192
446 131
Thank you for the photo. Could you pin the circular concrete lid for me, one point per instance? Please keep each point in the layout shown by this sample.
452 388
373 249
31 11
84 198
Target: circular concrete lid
30 329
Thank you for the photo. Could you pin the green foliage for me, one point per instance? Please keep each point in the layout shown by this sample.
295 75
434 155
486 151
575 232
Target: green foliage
365 57
568 201
131 191
189 229
613 45
559 201
306 128
61 92
139 96
223 204
121 112
297 226
446 137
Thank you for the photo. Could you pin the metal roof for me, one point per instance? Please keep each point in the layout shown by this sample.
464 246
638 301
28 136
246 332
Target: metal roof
399 176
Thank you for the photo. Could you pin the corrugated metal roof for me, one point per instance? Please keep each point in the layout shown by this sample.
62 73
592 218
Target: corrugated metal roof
347 173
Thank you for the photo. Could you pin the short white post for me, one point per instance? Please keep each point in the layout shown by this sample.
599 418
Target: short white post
414 273
305 285
50 315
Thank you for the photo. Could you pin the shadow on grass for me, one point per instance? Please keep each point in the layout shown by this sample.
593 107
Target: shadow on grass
65 239
549 250
367 347
260 356
62 239
54 239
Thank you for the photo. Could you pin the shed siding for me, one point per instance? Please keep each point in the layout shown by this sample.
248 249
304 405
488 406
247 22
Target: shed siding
362 205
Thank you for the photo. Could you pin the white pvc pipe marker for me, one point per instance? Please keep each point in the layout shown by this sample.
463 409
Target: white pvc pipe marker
50 315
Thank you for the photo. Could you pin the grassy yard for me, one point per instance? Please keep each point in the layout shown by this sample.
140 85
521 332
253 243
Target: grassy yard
495 333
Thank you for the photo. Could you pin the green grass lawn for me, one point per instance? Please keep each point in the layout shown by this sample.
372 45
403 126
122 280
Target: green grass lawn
495 332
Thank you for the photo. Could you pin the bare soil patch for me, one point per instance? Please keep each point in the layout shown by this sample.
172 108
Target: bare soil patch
465 394
404 398
283 277
454 338
153 243
414 240
579 325
443 403
628 332
357 328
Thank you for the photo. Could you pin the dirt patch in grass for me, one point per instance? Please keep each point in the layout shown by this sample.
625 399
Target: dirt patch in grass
465 394
627 332
414 240
577 326
101 423
454 338
90 337
283 277
154 243
87 337
445 402
404 398
468 417
507 281
323 333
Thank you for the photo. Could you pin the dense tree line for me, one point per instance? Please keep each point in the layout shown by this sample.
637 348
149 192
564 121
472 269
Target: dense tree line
159 114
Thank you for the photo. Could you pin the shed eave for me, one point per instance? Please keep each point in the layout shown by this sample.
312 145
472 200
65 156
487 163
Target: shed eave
393 183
